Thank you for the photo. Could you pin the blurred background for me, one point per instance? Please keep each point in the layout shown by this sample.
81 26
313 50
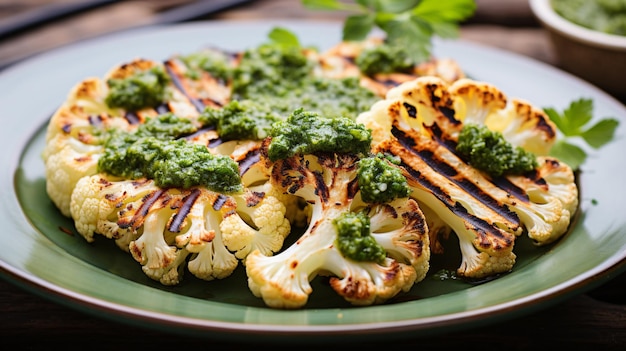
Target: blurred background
29 27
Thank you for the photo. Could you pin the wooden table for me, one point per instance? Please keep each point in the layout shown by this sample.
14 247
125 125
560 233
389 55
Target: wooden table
595 320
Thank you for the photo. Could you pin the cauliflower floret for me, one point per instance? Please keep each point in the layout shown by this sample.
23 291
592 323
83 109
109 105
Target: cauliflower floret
550 202
524 125
75 132
486 248
420 122
258 223
327 183
159 227
213 261
73 145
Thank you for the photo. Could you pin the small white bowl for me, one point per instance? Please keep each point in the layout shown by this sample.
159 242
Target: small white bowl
594 56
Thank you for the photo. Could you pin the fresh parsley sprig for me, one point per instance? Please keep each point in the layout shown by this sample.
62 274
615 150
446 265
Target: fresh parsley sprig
574 123
410 24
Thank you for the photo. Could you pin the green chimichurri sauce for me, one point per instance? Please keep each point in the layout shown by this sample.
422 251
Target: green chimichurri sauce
284 78
268 84
380 180
305 132
141 90
155 152
241 120
608 16
490 152
354 240
384 58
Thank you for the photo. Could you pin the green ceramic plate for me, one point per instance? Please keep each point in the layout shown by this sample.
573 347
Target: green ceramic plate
39 253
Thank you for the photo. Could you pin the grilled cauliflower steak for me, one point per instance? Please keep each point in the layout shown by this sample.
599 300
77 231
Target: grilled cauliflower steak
420 122
175 161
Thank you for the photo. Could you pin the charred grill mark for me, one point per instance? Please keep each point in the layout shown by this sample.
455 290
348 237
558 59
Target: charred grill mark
321 189
199 105
188 202
388 82
438 165
163 108
254 198
67 128
215 142
490 202
434 189
219 202
353 188
410 109
438 134
481 227
147 202
506 185
545 126
132 118
451 173
95 120
249 160
449 113
536 178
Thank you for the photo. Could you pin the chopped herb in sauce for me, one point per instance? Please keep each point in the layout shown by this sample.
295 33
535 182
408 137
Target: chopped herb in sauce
354 240
385 58
380 180
608 16
245 119
490 152
154 152
141 90
305 132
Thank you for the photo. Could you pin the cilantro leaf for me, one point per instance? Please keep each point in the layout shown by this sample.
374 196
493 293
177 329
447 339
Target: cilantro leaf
444 11
356 27
410 24
600 133
571 154
395 6
573 124
283 37
324 5
574 117
412 34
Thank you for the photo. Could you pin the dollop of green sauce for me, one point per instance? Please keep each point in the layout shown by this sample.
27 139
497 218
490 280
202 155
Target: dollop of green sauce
284 78
237 120
270 70
384 58
354 240
272 87
306 132
155 151
608 16
381 180
488 151
141 90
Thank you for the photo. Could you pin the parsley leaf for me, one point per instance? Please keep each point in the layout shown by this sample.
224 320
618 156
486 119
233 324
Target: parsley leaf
410 24
283 37
573 123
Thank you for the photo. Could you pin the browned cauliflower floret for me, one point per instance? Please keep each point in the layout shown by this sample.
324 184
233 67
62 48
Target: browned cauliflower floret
420 122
